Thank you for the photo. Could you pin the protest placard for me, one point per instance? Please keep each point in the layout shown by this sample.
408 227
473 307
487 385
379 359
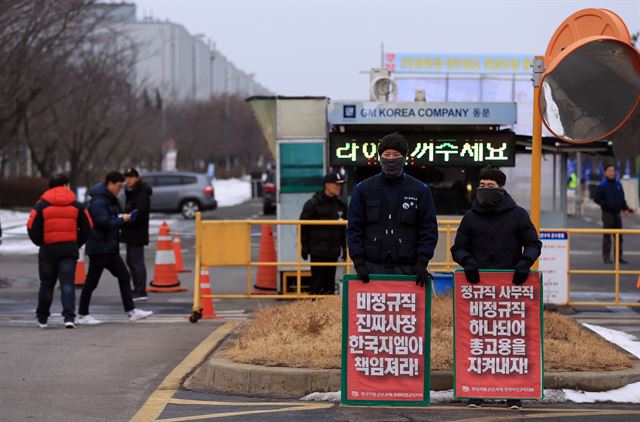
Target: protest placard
385 341
498 342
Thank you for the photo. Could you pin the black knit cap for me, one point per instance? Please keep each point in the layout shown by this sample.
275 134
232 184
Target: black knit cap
493 173
393 141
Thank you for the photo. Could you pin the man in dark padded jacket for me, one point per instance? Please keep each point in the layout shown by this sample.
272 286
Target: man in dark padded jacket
495 234
103 248
392 225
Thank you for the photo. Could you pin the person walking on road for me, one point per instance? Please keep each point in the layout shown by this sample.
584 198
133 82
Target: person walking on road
103 248
392 225
324 243
59 225
610 196
495 234
135 233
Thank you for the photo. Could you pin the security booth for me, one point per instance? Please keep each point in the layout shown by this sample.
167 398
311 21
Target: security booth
295 129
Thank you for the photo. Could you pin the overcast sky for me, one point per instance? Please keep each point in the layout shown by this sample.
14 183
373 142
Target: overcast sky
320 47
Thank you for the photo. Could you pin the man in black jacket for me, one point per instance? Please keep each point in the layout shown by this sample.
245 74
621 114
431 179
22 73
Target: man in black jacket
103 248
135 233
495 234
392 225
324 243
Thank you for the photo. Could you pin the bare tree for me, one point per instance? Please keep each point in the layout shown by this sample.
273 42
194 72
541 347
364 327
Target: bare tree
83 120
37 38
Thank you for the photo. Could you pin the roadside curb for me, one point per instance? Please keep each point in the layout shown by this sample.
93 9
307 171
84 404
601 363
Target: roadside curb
223 375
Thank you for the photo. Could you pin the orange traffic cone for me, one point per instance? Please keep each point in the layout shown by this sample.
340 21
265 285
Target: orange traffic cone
81 274
208 310
165 277
266 275
177 251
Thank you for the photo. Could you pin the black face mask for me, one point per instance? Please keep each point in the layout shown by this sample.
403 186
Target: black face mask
489 197
392 167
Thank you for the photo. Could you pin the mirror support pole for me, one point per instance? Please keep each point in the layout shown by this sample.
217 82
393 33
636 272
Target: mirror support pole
536 146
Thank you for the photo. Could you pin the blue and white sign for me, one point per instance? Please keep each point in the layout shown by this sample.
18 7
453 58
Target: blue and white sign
412 113
554 266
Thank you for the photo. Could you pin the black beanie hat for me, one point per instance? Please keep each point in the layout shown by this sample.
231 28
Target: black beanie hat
58 180
393 141
493 173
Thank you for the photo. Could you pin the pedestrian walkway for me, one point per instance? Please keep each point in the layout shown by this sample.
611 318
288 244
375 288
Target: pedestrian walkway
57 320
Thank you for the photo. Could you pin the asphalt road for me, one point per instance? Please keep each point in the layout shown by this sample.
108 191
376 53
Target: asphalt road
208 407
105 372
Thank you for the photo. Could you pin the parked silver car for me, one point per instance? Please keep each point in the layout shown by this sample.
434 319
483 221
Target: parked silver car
182 192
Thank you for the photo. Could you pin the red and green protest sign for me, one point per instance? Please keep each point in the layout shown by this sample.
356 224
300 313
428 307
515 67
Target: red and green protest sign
498 342
385 341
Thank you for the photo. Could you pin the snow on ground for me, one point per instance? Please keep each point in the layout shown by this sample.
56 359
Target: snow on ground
627 394
626 341
232 191
14 233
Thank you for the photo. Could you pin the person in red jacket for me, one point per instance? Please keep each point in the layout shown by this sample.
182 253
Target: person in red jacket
59 225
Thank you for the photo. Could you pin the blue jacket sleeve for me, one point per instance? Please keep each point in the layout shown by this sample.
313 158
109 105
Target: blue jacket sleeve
355 225
427 226
102 219
598 195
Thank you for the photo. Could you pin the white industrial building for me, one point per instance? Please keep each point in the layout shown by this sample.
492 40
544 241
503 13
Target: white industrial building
179 65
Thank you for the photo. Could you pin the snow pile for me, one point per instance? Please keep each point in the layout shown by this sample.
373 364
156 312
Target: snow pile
230 192
626 341
14 233
331 397
627 394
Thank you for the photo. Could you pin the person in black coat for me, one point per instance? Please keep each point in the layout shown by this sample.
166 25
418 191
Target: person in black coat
135 233
392 219
495 234
103 248
324 243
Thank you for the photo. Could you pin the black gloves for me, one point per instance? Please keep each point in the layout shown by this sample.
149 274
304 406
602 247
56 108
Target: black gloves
521 271
422 275
304 253
471 272
361 270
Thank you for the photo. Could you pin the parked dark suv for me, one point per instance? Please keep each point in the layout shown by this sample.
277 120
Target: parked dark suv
269 194
182 192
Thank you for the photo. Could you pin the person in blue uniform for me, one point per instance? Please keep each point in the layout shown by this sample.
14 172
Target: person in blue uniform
392 226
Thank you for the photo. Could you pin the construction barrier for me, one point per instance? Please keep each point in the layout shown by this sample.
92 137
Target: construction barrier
177 252
266 277
213 249
165 274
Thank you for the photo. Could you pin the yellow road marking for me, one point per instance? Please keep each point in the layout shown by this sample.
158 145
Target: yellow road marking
299 408
158 400
237 403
